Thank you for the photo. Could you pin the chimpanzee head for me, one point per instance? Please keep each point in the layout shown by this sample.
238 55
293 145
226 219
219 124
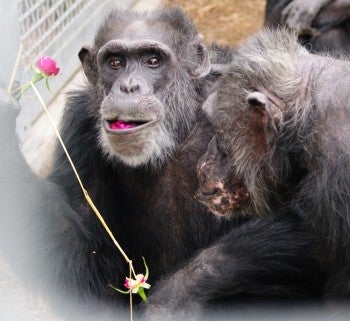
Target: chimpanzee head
256 101
141 72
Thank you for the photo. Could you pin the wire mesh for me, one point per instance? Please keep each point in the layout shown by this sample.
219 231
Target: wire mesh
57 28
42 22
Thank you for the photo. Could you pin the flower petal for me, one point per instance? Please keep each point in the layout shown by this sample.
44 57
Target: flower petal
47 66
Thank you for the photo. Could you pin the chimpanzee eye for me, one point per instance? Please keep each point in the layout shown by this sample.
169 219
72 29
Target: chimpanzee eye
116 63
153 62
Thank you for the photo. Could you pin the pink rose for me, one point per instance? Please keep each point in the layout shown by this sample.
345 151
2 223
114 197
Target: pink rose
47 66
44 68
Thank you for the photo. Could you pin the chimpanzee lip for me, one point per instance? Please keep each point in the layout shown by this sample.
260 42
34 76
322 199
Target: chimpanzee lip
124 126
204 196
208 192
224 202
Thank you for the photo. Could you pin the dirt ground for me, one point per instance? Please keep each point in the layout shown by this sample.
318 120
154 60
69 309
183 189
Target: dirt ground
224 21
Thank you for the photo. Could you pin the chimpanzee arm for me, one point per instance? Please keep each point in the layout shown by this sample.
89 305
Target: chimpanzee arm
299 14
332 15
260 259
303 15
273 11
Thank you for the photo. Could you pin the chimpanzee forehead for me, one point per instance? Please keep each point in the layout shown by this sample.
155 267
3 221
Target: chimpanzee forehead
141 30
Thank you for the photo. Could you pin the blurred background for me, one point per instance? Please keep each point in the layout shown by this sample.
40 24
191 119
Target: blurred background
224 21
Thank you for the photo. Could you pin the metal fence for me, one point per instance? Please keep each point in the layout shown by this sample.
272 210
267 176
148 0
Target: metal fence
57 28
43 23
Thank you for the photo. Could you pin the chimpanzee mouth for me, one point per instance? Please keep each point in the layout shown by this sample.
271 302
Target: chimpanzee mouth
126 126
222 201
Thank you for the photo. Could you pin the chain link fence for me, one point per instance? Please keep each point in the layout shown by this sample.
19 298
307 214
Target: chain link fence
43 23
57 28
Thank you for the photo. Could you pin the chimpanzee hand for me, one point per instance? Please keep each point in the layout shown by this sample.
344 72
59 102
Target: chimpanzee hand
299 15
9 110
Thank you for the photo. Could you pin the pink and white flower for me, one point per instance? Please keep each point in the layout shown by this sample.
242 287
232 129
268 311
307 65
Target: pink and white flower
134 284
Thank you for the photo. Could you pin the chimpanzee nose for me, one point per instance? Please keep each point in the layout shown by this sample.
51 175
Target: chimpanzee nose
130 87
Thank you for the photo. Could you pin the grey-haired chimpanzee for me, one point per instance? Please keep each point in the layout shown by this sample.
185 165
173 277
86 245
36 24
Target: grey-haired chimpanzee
322 25
135 133
282 120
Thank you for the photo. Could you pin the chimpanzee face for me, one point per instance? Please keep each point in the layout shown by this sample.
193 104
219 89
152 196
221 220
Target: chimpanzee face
144 84
132 114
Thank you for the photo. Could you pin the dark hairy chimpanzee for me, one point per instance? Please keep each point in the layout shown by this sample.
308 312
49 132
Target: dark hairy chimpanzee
322 25
135 132
282 120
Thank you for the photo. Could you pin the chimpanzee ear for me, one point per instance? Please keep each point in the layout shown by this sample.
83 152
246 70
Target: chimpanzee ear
270 114
200 63
213 149
211 159
209 104
89 67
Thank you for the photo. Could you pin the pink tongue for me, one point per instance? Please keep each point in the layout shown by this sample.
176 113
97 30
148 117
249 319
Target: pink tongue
118 124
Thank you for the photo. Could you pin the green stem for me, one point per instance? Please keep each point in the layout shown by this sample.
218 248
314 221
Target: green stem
146 267
116 289
21 90
47 85
37 77
142 294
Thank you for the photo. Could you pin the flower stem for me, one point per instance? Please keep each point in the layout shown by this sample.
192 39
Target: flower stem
131 270
14 70
21 90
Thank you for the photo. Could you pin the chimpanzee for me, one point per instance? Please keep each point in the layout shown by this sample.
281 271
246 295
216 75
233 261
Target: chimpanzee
135 133
322 25
282 120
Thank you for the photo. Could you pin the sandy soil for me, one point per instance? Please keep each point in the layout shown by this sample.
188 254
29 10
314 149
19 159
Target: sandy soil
224 21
